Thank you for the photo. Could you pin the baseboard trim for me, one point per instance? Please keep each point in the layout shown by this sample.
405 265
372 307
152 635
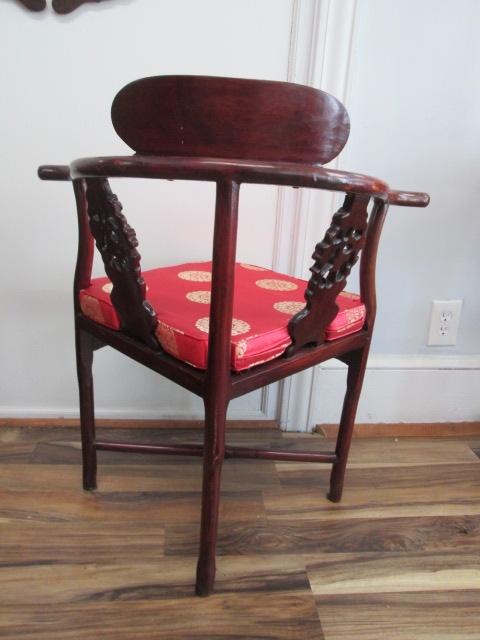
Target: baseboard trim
416 362
362 430
135 424
405 429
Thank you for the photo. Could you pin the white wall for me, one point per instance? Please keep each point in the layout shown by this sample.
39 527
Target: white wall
413 71
414 103
415 110
59 76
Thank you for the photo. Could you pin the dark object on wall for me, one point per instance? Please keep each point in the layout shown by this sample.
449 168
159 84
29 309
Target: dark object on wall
67 6
228 131
59 6
34 5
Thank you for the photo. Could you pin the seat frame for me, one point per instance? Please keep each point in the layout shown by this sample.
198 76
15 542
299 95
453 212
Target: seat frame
355 232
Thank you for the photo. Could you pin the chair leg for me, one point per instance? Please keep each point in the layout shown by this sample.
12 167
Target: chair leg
357 362
84 348
214 453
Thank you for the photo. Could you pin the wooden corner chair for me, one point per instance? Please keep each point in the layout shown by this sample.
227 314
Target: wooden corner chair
228 131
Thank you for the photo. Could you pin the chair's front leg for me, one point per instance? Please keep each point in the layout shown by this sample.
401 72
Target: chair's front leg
214 452
84 344
218 383
357 362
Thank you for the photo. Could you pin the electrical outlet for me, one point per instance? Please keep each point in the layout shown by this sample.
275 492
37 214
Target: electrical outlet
444 321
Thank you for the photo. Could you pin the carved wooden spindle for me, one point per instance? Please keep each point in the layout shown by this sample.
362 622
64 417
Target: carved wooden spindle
334 258
117 243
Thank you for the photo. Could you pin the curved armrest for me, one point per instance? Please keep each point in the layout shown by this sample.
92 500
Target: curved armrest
215 169
54 172
408 198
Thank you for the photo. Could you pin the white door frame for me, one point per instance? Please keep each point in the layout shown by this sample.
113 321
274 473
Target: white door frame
320 50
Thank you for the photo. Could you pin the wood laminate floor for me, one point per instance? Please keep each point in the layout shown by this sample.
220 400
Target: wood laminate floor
398 559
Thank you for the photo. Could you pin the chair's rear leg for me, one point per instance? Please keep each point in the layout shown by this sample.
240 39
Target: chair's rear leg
214 453
84 347
357 362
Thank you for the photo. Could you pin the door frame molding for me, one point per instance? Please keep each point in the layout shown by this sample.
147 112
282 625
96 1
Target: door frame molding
321 41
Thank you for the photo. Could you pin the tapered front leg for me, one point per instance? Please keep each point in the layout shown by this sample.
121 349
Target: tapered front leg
84 348
214 453
357 362
218 382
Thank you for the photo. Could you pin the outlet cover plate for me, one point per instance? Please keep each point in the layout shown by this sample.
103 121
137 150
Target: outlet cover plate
444 322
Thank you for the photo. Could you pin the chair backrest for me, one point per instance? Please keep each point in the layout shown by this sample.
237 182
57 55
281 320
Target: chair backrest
226 118
212 117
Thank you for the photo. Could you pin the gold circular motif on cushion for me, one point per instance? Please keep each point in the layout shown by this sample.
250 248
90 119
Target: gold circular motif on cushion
91 308
238 326
276 285
290 306
108 286
203 297
252 267
241 348
202 324
167 338
195 276
351 296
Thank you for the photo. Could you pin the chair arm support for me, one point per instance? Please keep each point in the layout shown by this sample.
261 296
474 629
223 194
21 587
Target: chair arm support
408 198
54 172
214 169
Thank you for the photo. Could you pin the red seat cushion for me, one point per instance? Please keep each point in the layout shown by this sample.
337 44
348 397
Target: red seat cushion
264 302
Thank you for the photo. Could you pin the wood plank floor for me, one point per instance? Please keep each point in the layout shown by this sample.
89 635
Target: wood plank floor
398 559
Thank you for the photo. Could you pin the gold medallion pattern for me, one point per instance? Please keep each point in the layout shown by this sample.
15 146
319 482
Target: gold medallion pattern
350 296
354 315
195 276
108 286
289 306
167 338
241 348
252 267
202 324
276 285
203 297
238 326
91 308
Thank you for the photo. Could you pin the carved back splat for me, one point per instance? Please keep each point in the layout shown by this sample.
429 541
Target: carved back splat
117 243
334 258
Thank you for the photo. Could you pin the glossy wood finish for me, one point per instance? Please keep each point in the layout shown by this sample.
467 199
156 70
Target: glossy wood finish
83 267
228 131
117 243
357 363
333 259
217 376
54 172
229 452
214 169
408 198
398 559
303 359
368 263
214 117
84 351
241 383
187 376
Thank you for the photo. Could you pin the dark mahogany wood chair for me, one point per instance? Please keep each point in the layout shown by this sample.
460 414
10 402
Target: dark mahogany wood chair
258 326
